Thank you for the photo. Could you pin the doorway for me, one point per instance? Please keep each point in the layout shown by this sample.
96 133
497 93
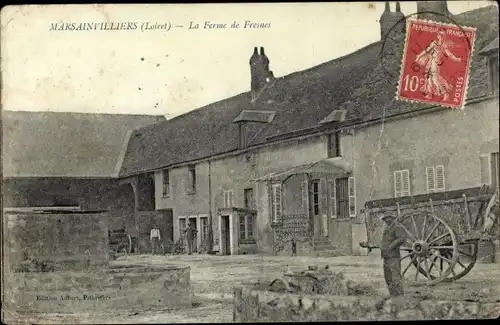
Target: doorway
315 209
225 236
194 226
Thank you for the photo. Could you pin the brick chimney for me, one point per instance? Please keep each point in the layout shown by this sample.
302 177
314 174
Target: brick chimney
259 71
393 22
436 10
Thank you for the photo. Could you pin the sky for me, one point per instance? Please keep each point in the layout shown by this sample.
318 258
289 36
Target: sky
170 72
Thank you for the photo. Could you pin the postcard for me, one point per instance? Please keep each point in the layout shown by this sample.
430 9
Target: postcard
277 162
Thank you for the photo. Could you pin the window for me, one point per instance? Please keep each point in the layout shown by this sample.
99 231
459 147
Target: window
304 187
276 207
182 226
246 227
315 197
249 199
352 197
192 178
333 145
435 179
203 228
489 165
401 183
493 70
166 183
331 194
228 199
342 193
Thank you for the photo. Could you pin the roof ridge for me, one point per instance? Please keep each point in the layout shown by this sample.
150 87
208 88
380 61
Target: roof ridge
348 55
78 113
473 11
285 77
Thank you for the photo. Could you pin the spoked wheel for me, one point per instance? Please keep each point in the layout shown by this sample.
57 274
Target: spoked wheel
467 257
431 250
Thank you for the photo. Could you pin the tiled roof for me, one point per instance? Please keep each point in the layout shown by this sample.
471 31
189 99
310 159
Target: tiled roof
300 100
54 144
357 82
376 97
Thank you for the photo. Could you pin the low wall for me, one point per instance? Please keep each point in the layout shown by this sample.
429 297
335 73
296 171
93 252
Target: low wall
264 306
72 240
127 288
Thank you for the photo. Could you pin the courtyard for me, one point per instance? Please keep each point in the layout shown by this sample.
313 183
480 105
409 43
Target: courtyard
213 279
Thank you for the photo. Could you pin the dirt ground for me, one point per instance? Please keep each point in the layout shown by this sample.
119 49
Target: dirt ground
213 278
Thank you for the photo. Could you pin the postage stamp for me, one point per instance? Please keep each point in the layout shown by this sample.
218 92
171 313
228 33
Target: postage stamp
436 63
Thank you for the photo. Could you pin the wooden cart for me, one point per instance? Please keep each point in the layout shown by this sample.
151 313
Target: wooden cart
120 244
444 231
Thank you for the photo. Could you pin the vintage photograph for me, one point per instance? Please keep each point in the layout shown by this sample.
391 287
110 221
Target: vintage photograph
250 162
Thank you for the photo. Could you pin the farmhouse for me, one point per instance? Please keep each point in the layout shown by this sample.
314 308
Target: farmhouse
298 156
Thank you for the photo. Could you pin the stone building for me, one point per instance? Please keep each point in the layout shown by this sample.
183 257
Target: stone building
56 159
302 153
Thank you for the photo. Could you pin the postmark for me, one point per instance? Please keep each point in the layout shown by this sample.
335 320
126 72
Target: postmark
436 63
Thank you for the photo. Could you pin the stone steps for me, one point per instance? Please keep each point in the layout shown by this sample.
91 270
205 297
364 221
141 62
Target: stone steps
323 244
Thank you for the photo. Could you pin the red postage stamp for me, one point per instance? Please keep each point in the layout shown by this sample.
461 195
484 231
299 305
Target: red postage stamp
436 63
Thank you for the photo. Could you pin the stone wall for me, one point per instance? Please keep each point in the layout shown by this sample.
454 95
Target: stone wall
70 240
127 288
265 306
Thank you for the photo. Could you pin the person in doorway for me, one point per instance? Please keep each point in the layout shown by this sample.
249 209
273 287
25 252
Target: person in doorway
190 233
155 240
393 237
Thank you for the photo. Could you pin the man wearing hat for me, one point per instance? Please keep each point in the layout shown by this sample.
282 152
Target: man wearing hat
155 240
392 239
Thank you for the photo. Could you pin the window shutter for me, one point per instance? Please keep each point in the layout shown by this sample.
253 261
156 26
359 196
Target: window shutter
278 202
440 182
271 202
305 198
333 199
484 162
397 183
352 197
429 171
323 208
276 198
230 198
405 189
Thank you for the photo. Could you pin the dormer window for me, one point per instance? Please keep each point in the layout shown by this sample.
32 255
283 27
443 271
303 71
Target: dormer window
490 51
335 116
334 145
251 116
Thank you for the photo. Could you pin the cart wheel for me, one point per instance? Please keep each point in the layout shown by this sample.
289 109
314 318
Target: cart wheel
467 257
431 249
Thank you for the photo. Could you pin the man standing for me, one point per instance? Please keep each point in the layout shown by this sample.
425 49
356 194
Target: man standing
190 233
392 239
155 240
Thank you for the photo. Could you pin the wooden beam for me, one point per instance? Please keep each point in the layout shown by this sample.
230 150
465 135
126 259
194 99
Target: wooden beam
467 213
